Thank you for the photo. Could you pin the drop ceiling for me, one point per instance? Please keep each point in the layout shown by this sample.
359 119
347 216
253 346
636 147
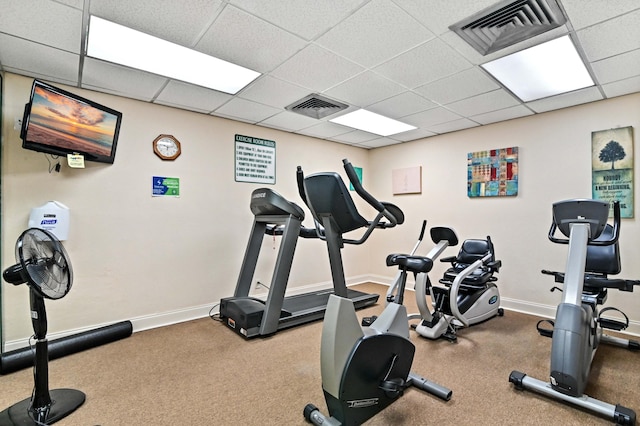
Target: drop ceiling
393 57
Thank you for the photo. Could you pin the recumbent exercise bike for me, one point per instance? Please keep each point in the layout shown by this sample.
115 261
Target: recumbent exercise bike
469 295
578 326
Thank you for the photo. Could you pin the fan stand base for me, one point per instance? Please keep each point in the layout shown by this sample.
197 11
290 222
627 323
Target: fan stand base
65 401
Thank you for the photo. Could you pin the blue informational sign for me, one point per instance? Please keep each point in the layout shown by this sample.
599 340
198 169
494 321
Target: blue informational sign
165 186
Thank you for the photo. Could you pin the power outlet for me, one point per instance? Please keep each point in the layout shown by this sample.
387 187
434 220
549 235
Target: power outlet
17 124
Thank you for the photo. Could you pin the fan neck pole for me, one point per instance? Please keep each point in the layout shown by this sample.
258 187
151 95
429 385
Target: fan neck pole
38 315
41 402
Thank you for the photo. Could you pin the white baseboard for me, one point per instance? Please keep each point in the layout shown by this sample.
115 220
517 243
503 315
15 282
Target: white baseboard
163 319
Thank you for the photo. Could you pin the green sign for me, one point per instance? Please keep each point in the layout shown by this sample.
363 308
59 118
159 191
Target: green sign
165 186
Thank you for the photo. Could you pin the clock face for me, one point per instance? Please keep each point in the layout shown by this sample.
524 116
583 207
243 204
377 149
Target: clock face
166 147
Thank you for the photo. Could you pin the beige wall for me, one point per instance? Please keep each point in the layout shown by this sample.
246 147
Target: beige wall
554 164
158 260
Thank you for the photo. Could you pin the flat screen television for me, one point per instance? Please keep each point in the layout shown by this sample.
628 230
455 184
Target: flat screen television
58 122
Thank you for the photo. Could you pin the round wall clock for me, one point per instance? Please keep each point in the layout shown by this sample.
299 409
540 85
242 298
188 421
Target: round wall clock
167 147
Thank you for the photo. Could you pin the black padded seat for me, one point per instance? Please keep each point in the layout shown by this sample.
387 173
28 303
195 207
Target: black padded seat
416 264
471 251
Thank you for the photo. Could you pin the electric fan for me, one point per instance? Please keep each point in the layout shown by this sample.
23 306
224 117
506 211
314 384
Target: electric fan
43 264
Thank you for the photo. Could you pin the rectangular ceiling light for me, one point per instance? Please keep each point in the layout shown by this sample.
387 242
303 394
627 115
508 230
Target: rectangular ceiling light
540 71
121 45
373 123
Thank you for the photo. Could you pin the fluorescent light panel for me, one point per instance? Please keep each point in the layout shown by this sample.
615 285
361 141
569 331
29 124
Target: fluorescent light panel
116 43
373 123
540 71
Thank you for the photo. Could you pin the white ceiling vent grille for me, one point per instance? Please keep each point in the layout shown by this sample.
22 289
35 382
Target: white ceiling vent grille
316 106
509 22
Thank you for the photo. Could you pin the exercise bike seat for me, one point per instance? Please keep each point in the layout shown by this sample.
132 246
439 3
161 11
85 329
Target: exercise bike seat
415 264
471 251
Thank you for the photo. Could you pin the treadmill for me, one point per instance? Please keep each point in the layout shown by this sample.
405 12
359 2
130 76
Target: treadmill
250 316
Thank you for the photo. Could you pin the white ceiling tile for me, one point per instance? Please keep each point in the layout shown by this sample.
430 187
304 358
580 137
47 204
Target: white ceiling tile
502 114
406 103
582 96
431 117
412 135
245 40
46 22
585 13
180 22
42 60
316 69
78 4
244 110
467 83
195 98
274 92
428 62
376 143
617 67
381 24
612 37
121 80
289 121
622 87
325 129
491 101
452 126
308 19
438 15
355 136
364 89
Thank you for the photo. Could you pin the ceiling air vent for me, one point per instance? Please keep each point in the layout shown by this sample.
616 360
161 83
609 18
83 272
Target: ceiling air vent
316 106
509 22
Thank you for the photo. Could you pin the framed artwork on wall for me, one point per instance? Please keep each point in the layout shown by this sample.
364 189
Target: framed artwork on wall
407 180
612 168
492 173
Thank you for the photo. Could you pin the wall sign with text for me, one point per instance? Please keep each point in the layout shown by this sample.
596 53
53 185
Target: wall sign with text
255 160
612 168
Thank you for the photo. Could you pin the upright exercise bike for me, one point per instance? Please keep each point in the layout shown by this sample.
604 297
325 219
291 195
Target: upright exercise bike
364 369
578 327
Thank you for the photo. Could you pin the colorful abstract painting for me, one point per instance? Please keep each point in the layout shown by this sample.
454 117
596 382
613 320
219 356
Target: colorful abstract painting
492 173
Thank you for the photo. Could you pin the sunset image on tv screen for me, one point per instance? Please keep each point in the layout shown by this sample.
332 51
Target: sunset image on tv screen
57 120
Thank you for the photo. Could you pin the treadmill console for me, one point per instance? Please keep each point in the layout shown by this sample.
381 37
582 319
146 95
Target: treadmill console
265 201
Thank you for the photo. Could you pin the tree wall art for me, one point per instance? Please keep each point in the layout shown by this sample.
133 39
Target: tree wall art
612 167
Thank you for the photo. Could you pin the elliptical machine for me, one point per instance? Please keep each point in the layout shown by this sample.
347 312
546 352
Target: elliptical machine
364 369
578 326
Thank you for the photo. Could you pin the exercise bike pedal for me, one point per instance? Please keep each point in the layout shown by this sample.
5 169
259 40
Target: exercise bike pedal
544 331
450 336
393 388
613 324
367 321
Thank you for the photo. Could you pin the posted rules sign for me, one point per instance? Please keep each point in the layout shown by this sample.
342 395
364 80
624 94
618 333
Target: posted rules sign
255 160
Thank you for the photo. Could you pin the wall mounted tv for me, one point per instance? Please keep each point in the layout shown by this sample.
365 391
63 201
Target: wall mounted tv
58 122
